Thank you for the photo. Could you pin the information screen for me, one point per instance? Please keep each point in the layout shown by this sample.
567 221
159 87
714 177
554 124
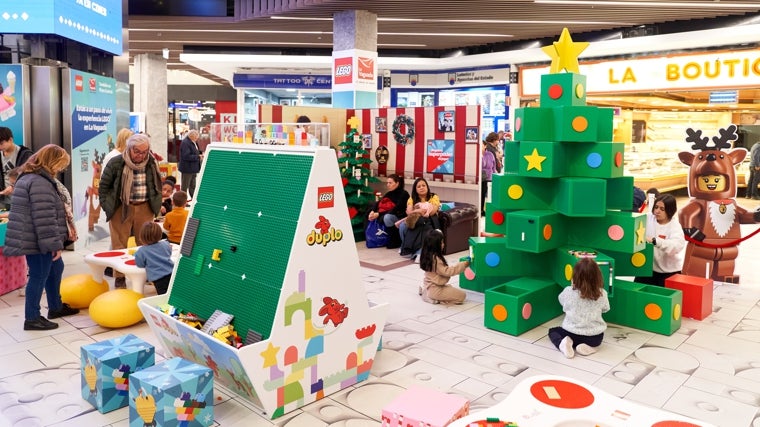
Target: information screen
96 23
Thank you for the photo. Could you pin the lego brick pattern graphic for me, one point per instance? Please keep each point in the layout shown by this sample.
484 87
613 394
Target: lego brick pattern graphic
248 210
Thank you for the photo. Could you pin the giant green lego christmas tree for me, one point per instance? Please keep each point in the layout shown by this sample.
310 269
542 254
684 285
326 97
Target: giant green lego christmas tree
563 196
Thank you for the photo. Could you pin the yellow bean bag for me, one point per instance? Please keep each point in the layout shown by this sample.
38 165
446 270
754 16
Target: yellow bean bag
116 309
79 290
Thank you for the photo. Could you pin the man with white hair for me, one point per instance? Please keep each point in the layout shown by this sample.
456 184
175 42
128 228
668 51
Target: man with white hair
190 157
130 193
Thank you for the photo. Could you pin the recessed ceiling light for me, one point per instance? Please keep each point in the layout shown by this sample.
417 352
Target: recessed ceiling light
686 4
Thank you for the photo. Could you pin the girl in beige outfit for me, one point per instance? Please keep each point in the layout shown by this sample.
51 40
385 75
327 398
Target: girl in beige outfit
435 288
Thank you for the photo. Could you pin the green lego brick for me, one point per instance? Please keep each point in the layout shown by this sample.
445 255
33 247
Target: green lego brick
479 283
620 193
237 283
567 256
576 123
563 89
495 220
511 157
581 197
616 231
595 159
633 264
645 307
491 258
535 230
542 159
604 126
521 304
533 124
519 192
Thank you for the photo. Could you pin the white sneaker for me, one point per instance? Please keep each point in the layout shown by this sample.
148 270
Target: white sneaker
585 349
566 347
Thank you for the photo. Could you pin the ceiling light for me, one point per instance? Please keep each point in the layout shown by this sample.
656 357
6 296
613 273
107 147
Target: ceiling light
447 34
660 4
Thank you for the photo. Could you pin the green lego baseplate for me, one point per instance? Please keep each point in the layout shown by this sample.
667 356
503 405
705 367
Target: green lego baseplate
247 206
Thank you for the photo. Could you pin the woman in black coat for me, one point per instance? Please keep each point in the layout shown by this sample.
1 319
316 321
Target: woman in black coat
391 208
37 229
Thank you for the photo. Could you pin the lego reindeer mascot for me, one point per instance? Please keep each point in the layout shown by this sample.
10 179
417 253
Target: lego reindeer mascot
711 218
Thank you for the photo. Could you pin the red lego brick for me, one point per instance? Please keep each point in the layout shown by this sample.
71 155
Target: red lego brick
697 294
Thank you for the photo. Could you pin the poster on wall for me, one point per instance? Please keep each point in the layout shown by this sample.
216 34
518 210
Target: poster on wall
446 121
440 156
12 100
92 105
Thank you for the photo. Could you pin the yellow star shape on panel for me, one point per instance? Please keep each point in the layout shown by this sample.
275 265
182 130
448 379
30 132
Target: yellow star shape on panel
353 122
640 232
564 53
535 160
270 355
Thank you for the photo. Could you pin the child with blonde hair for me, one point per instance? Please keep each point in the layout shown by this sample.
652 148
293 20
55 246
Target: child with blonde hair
155 256
583 302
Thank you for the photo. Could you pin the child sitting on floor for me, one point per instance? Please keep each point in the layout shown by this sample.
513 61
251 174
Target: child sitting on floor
435 288
155 257
174 221
583 302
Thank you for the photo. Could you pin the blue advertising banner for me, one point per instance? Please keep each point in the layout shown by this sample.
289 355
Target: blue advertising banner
12 100
96 23
282 81
93 135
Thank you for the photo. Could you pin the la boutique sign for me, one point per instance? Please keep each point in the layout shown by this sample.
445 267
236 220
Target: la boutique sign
711 70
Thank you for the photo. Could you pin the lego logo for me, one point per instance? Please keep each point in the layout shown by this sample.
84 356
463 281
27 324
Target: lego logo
343 70
326 197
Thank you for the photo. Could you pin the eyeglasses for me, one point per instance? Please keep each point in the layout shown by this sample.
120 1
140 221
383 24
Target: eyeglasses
140 152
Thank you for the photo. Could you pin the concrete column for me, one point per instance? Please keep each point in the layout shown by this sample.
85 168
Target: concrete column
151 97
354 78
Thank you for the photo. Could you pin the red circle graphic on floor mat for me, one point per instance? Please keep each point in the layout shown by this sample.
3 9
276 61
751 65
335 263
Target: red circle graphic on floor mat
562 394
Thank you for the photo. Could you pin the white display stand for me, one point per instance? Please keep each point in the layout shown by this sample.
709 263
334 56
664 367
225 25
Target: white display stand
324 332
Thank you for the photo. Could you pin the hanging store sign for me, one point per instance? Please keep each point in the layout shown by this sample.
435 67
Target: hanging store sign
281 81
733 69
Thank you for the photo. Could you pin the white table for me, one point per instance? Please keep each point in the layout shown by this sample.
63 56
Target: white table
122 260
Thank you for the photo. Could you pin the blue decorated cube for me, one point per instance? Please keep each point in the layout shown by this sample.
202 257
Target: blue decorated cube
173 393
106 367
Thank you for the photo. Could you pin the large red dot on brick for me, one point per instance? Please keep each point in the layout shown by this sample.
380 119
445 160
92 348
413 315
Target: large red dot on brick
618 159
497 217
555 91
108 254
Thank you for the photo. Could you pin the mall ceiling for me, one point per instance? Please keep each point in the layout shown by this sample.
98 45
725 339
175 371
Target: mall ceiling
426 28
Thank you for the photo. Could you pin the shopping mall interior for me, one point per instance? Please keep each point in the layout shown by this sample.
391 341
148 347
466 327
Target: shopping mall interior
257 65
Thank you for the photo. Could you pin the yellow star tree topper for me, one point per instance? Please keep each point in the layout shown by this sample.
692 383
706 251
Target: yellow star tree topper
564 53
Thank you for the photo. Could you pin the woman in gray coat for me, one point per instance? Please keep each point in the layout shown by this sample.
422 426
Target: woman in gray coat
37 229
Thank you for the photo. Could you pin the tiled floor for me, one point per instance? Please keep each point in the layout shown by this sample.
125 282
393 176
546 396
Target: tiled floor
709 370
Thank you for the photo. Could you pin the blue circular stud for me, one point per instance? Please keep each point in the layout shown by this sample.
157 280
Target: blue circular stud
594 160
492 259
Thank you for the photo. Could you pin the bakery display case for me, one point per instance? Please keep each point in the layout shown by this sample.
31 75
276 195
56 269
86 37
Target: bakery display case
656 165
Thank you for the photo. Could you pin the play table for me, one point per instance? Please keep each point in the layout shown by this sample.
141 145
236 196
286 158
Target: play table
122 260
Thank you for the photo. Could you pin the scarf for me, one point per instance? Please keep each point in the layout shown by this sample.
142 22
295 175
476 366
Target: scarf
68 210
127 176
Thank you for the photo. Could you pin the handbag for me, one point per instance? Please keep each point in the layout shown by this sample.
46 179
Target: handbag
375 235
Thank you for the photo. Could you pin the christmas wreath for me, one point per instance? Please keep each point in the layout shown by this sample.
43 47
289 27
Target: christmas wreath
403 138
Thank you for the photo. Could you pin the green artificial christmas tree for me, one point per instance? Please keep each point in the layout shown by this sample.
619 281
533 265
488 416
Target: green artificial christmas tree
354 162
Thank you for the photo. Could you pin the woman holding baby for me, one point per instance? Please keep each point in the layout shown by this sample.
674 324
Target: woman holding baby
422 212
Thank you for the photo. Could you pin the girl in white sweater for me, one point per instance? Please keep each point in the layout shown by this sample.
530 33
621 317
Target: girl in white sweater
583 302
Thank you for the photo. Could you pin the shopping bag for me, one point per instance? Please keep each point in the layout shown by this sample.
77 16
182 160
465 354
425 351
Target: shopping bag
375 235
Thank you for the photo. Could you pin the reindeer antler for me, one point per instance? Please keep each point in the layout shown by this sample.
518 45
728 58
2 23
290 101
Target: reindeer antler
726 135
695 136
722 141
